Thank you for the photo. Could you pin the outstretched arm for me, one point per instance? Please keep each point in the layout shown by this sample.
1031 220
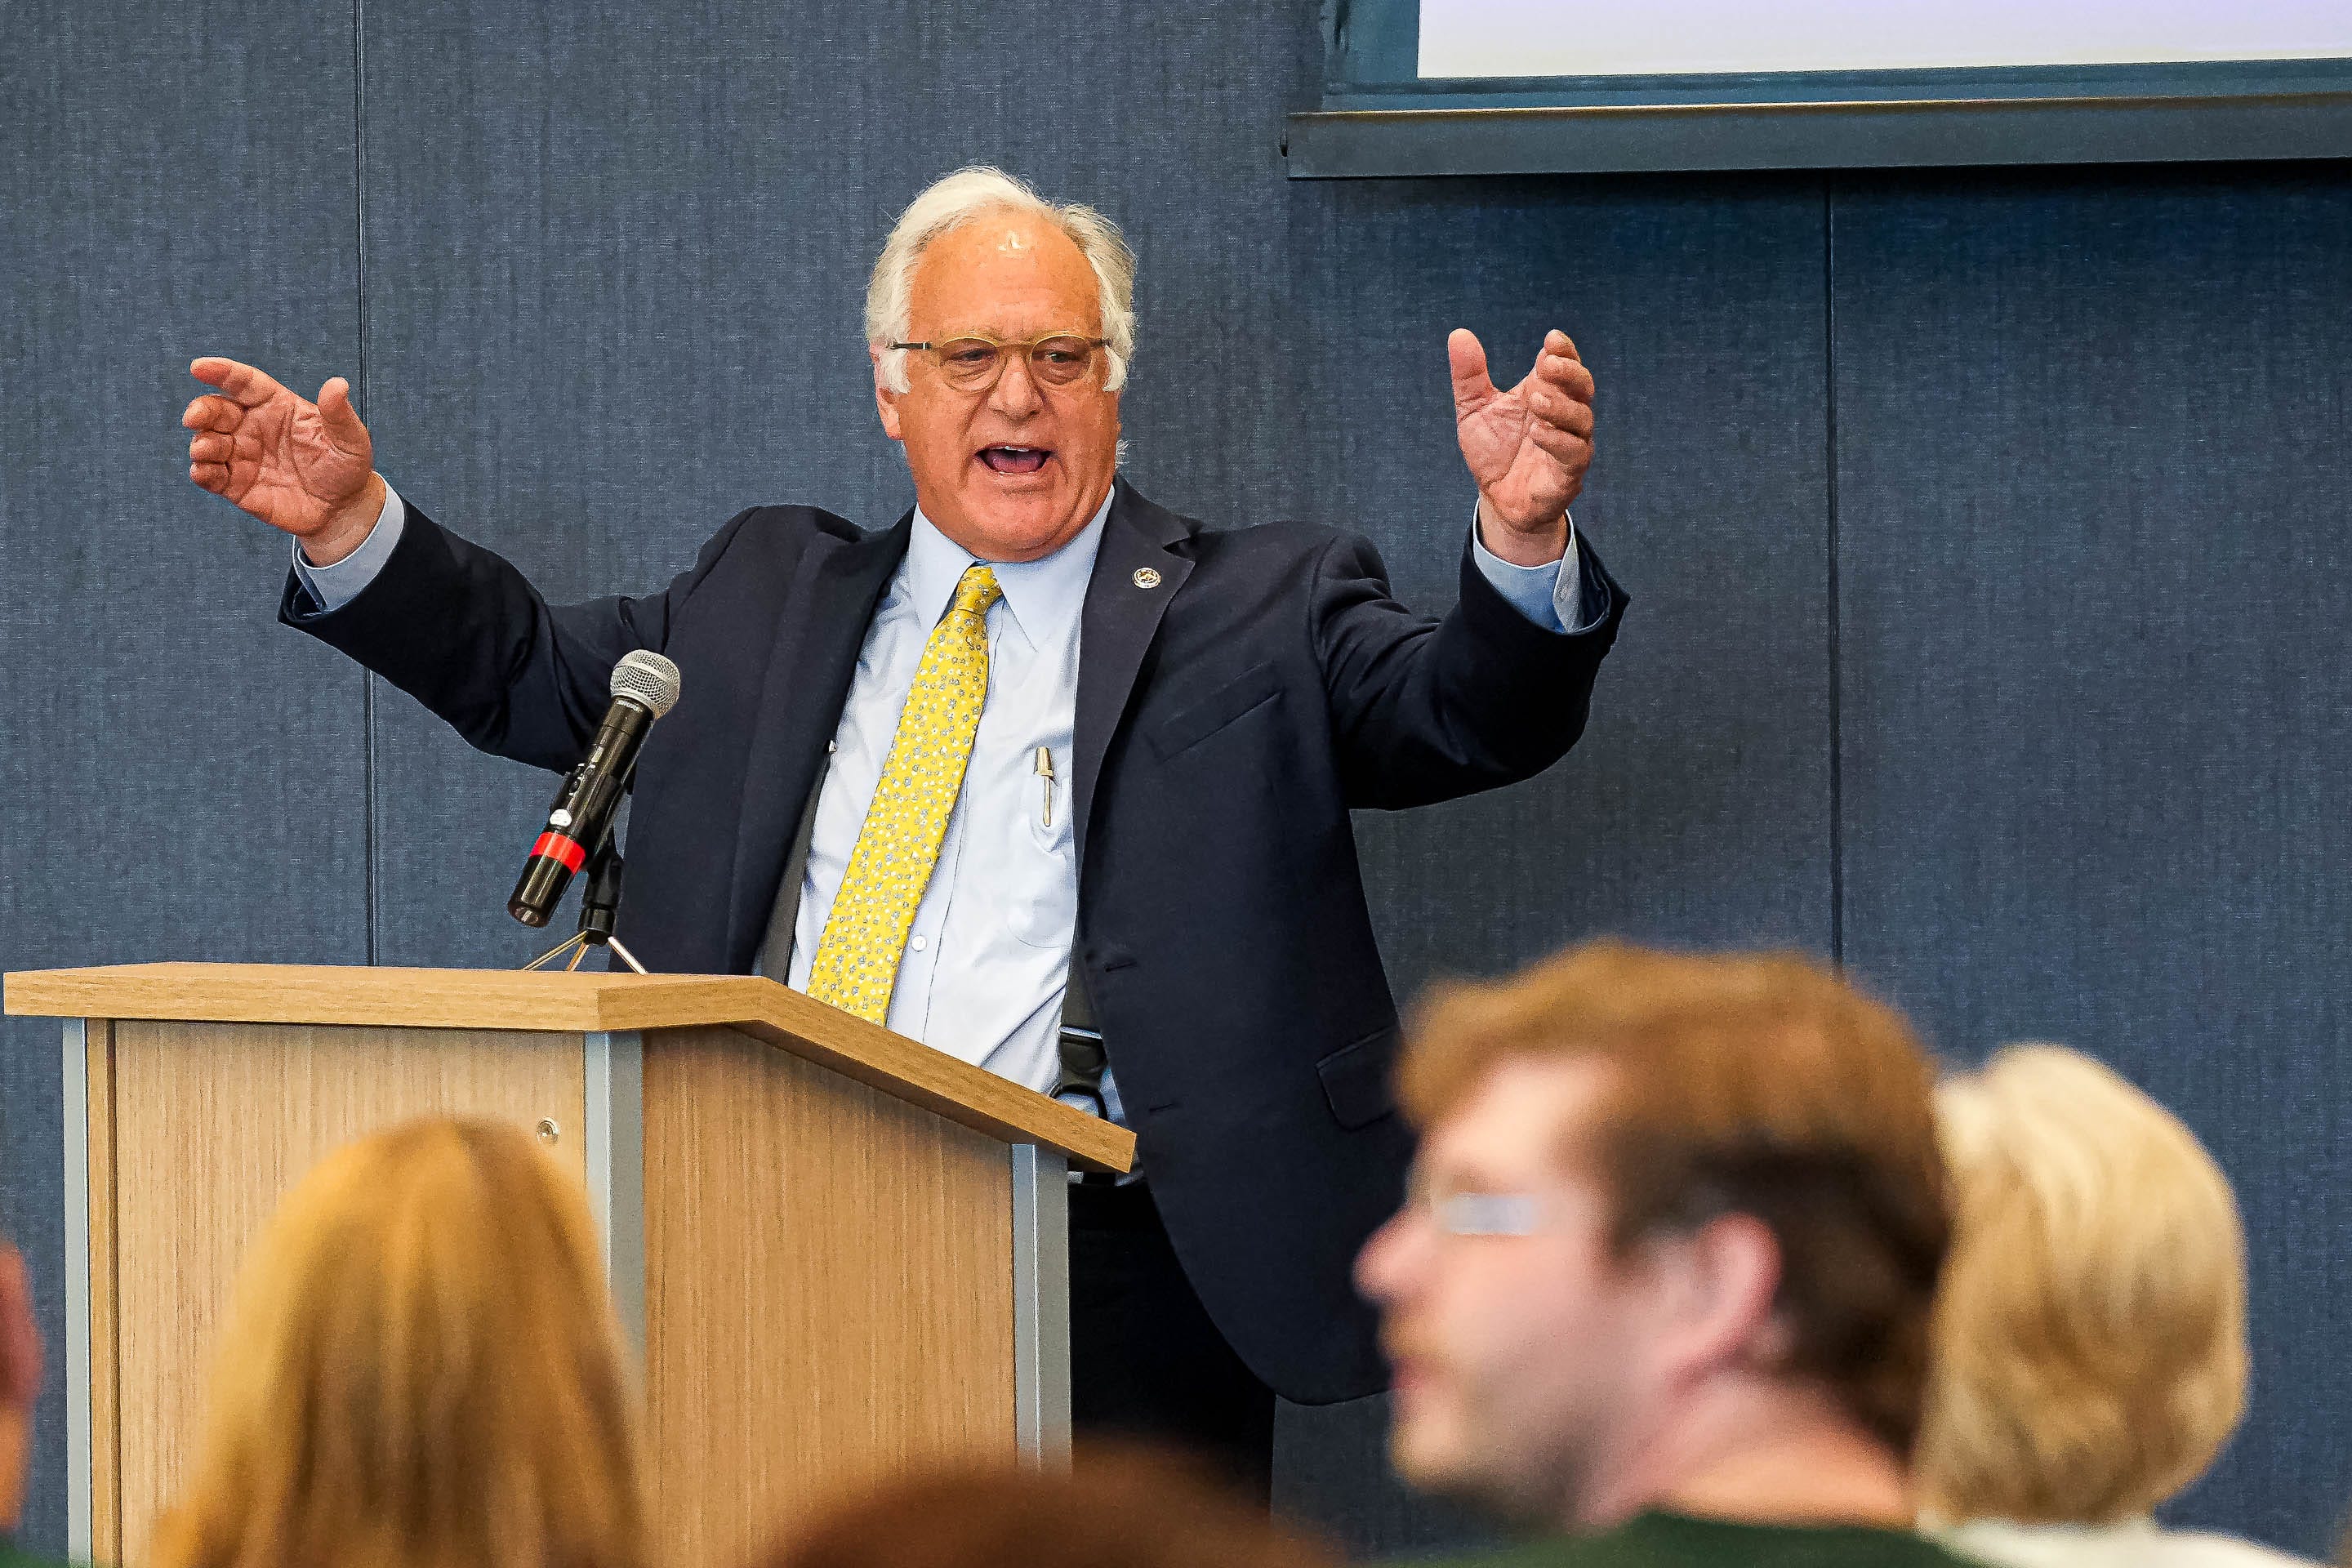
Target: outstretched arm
1424 710
450 623
460 630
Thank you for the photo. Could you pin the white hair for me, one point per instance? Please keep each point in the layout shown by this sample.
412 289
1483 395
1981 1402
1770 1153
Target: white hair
964 195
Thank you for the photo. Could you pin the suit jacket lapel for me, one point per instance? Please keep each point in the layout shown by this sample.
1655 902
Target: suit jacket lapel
1136 575
810 665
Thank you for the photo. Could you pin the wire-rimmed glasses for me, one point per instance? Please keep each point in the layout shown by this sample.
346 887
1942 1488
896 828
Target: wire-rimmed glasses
974 363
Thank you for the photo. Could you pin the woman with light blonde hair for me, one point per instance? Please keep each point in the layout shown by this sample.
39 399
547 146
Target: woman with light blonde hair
422 1370
2090 1340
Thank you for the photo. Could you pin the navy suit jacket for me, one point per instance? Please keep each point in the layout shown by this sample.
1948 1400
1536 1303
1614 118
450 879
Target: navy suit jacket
1229 717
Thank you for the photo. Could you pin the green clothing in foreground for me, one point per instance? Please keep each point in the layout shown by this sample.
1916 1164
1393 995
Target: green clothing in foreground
12 1558
1678 1540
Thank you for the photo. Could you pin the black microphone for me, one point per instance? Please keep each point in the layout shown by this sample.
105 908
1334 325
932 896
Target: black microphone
644 686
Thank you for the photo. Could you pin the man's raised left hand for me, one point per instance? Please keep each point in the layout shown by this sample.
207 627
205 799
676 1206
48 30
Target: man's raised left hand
1528 448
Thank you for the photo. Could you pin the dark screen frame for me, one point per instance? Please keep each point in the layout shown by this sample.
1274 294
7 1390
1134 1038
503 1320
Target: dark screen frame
1377 118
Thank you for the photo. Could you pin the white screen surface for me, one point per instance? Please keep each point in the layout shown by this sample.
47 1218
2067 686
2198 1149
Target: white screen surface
1671 37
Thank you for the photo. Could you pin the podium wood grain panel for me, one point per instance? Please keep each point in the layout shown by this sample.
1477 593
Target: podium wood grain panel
213 1123
828 1267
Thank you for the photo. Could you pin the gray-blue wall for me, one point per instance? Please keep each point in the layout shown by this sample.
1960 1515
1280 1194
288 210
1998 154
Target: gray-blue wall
1987 530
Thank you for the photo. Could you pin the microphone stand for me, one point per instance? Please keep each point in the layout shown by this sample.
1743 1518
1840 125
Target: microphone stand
600 903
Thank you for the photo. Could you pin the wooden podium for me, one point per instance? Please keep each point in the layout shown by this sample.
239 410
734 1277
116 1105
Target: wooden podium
838 1249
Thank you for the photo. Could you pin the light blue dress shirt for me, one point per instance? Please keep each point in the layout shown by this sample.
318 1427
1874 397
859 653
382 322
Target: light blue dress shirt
985 965
988 956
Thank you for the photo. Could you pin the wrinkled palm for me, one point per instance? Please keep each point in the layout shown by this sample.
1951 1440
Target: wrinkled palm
1498 442
1526 448
288 461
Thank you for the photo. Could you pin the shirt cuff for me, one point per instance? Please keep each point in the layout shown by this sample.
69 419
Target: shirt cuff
1551 596
332 587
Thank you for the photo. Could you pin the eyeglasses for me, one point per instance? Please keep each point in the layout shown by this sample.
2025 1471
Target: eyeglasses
1459 1213
974 364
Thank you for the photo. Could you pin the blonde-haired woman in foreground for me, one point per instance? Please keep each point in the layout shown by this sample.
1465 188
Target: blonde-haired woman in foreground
422 1370
2090 1343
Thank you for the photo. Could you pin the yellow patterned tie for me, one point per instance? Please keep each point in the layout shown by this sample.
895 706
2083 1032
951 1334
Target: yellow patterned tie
865 932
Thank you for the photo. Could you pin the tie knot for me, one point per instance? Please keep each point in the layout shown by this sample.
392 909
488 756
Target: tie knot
976 591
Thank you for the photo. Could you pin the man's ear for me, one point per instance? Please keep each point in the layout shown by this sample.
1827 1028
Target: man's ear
886 401
1716 1288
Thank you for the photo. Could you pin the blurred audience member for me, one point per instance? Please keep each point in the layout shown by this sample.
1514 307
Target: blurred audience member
1662 1285
1119 1509
20 1390
2091 1339
422 1370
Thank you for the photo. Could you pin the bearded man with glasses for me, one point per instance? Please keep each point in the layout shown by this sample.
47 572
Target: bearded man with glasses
1045 775
1661 1291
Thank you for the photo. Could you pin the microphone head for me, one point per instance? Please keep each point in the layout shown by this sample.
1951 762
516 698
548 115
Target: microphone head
646 680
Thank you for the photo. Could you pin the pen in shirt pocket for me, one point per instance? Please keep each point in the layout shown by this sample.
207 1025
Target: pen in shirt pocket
1044 767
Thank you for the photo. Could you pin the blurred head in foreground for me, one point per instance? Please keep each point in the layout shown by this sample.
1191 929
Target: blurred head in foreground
2091 1341
1674 1218
422 1367
20 1385
1117 1509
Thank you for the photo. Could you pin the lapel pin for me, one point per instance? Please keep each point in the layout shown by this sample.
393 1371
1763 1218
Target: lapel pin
1147 577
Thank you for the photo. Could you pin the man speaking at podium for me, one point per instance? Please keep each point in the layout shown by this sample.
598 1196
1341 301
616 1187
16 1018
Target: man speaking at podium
1043 753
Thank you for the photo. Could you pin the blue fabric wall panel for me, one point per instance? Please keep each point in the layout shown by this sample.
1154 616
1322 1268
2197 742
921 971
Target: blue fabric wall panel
2093 467
1694 811
178 777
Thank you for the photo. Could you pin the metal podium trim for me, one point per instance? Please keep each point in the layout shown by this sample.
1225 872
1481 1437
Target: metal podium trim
615 1146
80 1475
1041 1305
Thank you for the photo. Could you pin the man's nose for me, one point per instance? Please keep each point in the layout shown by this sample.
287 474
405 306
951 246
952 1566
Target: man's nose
1384 1268
1016 393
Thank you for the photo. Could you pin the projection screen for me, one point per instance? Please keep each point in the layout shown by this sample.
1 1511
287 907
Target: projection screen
1671 37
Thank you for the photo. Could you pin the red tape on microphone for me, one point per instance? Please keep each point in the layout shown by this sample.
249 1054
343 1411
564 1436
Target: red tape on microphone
556 847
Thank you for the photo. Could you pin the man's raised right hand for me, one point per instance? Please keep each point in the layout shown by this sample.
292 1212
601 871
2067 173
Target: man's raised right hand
306 468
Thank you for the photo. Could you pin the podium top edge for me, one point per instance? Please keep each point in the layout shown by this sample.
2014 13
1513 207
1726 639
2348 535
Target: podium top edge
573 1003
350 993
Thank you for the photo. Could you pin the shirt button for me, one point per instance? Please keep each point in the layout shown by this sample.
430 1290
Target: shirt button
921 942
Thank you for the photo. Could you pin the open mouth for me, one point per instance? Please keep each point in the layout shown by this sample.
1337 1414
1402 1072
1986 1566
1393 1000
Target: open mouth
1015 459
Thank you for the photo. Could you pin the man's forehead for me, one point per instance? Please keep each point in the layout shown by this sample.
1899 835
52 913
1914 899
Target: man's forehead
1005 254
1517 1116
1010 234
1004 231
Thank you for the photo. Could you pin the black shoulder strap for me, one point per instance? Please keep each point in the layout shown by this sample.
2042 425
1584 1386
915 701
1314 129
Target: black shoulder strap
776 949
1081 1044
